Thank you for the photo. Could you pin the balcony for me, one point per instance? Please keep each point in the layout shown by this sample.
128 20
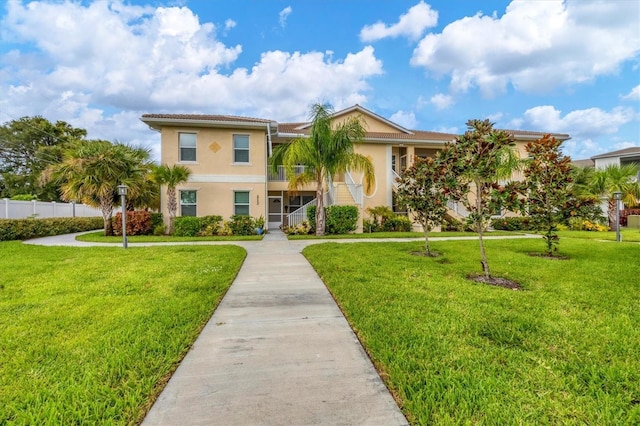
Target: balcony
281 175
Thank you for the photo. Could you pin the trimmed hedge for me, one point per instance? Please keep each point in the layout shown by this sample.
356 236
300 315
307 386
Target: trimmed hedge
338 219
513 224
138 223
24 229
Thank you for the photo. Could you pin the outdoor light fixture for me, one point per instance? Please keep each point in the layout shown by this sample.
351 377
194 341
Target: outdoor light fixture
122 192
617 196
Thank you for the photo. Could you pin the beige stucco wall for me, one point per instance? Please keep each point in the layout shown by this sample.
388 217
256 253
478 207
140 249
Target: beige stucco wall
371 124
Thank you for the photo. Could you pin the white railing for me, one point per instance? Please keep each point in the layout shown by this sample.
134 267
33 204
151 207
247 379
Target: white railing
299 215
458 208
281 174
395 176
13 209
354 188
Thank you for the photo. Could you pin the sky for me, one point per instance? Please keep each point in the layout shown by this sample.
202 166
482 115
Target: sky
568 66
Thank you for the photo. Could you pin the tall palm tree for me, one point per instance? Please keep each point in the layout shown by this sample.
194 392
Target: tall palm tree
327 151
617 178
171 177
90 171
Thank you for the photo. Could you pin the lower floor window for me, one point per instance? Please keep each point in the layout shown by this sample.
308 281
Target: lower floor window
188 202
241 203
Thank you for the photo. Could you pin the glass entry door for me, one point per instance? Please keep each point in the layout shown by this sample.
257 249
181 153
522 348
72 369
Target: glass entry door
275 212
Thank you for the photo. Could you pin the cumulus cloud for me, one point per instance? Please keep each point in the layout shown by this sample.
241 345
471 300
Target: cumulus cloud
406 119
229 23
633 95
441 101
591 122
411 25
534 46
283 15
172 62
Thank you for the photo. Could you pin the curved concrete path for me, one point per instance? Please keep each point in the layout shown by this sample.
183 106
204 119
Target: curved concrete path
277 350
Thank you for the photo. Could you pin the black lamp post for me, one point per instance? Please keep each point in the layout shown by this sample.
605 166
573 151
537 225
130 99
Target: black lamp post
122 191
617 196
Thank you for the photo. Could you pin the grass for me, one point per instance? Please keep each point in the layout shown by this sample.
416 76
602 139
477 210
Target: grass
628 235
98 237
398 235
90 335
563 351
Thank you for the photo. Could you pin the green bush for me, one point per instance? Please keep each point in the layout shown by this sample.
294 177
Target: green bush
338 219
159 230
186 226
24 197
210 225
397 223
24 229
513 224
138 223
156 220
242 225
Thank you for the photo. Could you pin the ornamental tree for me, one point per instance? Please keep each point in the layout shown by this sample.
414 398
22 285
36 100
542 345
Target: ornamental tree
425 188
548 176
480 159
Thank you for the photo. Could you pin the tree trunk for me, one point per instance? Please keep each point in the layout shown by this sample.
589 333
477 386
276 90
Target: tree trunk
106 207
320 208
426 238
172 207
611 204
480 228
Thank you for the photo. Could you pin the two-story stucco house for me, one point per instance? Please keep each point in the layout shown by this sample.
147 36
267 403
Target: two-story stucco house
228 157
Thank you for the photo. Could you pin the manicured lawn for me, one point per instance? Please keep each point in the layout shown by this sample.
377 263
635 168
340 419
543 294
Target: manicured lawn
98 237
565 350
90 335
399 235
628 235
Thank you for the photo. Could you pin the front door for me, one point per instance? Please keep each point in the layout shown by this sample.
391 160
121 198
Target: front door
275 212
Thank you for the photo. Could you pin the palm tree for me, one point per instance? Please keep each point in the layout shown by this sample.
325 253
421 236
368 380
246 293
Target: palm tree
617 178
171 177
327 151
90 171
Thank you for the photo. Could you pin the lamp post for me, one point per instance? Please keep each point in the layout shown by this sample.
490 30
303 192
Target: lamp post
122 191
617 196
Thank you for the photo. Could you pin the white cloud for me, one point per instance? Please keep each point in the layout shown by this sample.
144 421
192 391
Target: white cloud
623 145
229 23
283 15
172 62
585 123
411 25
406 119
534 46
633 95
441 101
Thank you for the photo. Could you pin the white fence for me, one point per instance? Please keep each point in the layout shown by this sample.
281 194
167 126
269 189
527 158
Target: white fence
11 209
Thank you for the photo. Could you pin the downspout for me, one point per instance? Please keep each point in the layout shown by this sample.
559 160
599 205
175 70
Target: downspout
266 177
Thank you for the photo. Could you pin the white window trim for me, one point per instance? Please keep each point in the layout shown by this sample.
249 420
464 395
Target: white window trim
233 140
180 160
234 200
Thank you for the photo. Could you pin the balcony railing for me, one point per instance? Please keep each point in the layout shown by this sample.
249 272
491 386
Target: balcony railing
354 188
281 175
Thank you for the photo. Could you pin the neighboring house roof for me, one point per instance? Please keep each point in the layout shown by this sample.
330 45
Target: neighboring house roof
622 153
583 163
156 121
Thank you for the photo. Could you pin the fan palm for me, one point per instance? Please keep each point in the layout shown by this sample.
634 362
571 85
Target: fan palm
617 178
327 151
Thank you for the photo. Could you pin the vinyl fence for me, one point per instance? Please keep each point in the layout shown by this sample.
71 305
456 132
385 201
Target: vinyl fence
11 209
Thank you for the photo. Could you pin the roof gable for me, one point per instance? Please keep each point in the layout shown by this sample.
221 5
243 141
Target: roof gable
373 122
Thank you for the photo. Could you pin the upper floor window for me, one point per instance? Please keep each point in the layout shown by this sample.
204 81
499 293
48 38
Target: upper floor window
188 203
187 143
240 148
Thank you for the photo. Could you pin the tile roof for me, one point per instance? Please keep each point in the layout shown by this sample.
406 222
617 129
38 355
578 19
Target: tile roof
205 117
620 153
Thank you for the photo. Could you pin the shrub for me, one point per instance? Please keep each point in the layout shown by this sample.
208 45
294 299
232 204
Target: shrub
577 224
210 225
369 226
159 230
156 220
138 223
24 229
242 225
513 224
303 229
186 226
397 223
24 197
341 219
311 217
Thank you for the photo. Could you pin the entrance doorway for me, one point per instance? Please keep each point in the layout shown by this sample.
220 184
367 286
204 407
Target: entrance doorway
275 212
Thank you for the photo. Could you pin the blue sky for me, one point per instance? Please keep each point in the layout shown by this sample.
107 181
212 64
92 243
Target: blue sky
556 66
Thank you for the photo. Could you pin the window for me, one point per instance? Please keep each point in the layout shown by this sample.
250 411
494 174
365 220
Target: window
188 201
240 148
187 142
241 203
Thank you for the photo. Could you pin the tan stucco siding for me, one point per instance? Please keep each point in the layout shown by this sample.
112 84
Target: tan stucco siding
371 124
214 151
380 155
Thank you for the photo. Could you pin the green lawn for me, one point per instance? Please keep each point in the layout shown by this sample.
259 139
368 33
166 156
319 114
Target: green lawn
566 350
90 335
98 237
628 235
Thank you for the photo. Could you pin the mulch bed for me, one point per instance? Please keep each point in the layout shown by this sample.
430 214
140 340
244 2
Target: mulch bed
551 257
496 281
425 254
